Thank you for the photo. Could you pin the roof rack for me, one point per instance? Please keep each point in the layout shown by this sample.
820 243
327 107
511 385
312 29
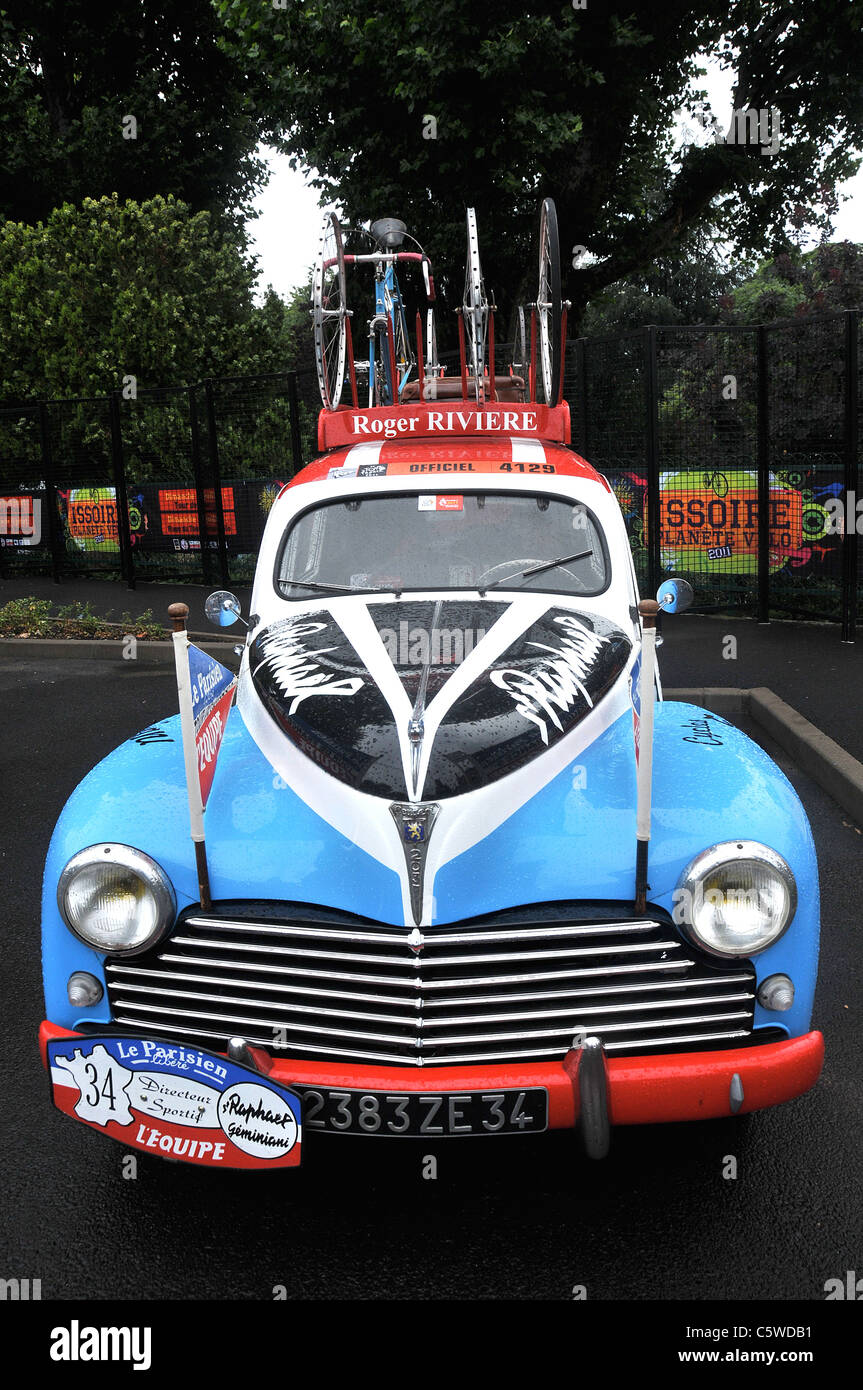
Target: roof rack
477 401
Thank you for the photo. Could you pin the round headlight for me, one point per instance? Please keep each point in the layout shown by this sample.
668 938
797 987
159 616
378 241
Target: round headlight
735 899
115 898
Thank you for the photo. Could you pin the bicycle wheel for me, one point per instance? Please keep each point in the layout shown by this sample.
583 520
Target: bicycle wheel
548 303
475 307
518 360
329 312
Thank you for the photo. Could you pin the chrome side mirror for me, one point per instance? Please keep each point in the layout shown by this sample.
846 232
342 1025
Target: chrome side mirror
223 608
674 595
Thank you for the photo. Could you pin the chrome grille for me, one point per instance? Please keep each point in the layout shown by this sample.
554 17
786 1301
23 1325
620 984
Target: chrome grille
507 989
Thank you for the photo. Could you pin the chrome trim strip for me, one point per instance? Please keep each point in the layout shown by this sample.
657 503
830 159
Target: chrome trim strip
410 1003
413 979
416 982
592 1011
641 988
573 952
412 1017
397 936
578 1026
541 1053
478 1039
350 1055
467 1058
273 1024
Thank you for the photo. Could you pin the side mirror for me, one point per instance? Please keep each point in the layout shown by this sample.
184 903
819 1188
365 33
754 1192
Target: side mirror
223 608
674 595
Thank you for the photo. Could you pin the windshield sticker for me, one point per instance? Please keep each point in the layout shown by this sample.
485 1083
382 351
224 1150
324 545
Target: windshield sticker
440 504
377 581
358 470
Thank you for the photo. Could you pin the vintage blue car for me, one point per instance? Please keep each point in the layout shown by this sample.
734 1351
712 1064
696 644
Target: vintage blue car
421 914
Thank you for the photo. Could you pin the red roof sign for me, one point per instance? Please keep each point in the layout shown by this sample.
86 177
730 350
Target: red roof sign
441 419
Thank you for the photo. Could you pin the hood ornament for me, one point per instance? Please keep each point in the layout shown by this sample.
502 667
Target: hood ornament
415 822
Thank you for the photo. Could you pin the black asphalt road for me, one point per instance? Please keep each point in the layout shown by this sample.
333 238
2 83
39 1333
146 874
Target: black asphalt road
522 1218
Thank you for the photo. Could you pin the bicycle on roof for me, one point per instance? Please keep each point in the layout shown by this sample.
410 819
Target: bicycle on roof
391 360
395 372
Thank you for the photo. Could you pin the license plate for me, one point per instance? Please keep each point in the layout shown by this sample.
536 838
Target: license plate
178 1102
421 1115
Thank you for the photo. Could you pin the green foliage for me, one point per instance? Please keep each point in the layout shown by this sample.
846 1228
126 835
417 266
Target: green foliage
820 281
71 71
579 104
110 290
32 617
25 617
685 288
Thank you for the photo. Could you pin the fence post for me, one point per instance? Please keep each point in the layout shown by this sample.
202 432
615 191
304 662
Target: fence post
50 492
127 563
216 473
849 541
294 406
651 380
200 500
581 394
762 464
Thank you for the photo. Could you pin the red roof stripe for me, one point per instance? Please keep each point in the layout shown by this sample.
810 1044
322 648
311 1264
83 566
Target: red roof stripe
442 461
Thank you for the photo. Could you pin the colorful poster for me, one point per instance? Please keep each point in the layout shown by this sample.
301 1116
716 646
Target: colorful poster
91 518
20 520
709 520
178 511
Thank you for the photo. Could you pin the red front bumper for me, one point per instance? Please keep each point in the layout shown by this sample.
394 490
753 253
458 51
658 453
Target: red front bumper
641 1090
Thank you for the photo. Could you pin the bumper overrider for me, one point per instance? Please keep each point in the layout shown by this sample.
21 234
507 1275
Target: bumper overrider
587 1090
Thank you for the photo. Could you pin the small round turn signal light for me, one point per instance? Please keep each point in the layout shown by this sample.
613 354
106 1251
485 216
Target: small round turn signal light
83 989
776 993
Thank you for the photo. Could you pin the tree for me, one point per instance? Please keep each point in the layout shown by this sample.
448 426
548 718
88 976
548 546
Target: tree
112 290
131 99
687 288
825 280
416 110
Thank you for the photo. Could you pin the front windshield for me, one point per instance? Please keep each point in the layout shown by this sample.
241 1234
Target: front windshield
475 540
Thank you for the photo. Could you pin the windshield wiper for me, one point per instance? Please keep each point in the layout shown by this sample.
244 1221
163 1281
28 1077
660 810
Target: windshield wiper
335 588
536 569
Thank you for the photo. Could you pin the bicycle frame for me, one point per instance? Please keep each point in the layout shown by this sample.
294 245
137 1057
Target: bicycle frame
390 316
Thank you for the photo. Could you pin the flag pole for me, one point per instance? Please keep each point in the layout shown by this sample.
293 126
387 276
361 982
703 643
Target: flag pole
648 609
178 613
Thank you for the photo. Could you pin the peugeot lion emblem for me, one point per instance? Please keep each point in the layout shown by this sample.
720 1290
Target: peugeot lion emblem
415 823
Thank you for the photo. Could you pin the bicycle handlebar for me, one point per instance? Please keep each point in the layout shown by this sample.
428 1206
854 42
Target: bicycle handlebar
390 257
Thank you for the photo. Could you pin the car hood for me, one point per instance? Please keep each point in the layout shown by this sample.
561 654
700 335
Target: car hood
432 698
